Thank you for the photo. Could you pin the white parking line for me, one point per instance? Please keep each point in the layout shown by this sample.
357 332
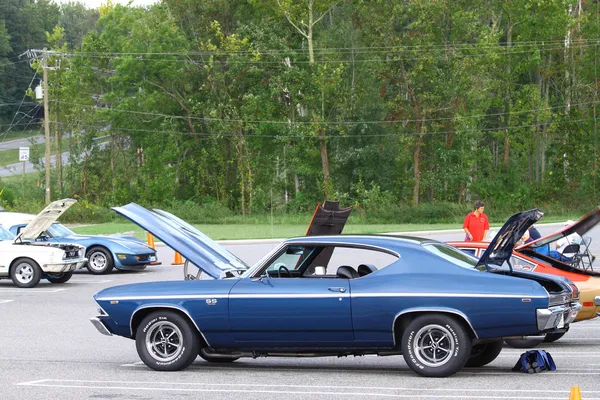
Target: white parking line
5 301
31 291
286 389
89 281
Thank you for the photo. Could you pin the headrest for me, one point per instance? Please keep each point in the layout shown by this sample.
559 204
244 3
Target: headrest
366 269
346 271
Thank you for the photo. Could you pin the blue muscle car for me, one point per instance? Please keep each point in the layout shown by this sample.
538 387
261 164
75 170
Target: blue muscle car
103 252
335 295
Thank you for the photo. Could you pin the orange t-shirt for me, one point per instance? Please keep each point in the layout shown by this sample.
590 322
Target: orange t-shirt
476 225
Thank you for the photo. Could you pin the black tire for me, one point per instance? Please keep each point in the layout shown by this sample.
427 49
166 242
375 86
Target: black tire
483 354
182 349
553 337
524 343
60 279
100 261
453 345
25 272
221 359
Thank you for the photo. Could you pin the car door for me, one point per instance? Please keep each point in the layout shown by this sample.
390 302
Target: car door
291 311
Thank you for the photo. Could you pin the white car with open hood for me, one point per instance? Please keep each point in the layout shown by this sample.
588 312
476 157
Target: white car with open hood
26 261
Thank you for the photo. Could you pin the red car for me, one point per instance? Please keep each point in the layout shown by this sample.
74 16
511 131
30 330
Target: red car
534 257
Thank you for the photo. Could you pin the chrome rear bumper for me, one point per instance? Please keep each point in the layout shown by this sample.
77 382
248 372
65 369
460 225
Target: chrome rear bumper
100 326
557 317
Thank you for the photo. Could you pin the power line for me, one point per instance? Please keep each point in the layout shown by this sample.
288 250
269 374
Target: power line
275 122
285 136
3 135
389 57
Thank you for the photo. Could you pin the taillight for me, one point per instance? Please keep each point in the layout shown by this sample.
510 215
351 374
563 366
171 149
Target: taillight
575 293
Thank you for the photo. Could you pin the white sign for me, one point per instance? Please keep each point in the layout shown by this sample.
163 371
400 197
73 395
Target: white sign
23 153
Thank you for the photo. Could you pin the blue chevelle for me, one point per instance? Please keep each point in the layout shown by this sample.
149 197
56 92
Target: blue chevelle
335 295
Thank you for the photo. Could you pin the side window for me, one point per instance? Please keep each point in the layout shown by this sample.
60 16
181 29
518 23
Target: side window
519 263
356 262
291 259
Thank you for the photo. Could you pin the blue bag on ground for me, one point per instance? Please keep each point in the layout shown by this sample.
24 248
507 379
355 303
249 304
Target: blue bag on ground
533 361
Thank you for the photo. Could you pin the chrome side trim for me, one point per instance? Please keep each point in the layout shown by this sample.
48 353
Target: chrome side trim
316 296
100 326
158 306
480 295
441 310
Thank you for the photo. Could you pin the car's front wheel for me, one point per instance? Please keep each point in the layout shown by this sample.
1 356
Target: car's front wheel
100 260
435 345
484 353
167 341
60 278
25 273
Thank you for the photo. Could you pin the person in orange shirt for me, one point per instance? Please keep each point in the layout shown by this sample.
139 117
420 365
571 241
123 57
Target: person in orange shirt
476 224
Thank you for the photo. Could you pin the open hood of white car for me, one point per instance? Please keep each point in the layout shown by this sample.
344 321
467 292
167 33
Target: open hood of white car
43 220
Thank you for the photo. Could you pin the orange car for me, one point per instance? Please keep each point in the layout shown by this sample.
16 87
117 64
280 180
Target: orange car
533 257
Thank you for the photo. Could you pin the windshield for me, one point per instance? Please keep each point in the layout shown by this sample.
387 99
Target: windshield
5 234
454 255
59 230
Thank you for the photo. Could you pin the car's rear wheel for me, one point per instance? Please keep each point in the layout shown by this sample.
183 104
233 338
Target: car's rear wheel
167 341
217 358
435 345
60 278
25 273
100 260
528 343
484 353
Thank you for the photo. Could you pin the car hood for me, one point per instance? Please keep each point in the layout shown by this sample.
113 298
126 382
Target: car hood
583 225
501 247
44 219
186 242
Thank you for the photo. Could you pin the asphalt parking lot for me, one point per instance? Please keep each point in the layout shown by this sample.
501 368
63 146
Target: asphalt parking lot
50 351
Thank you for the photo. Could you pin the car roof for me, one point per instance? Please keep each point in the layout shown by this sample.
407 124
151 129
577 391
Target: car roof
9 219
386 241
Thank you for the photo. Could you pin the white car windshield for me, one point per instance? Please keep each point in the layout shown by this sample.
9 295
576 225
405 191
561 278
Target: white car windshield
5 234
59 230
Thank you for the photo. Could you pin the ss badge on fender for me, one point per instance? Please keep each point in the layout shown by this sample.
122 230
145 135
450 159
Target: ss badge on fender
211 302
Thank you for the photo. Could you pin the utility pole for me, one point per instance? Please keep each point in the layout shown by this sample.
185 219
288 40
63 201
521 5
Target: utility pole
46 123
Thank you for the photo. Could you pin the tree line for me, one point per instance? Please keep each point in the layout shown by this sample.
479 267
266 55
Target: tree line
281 103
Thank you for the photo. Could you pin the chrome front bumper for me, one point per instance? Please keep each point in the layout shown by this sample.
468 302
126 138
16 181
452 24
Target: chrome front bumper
100 326
556 317
65 265
597 300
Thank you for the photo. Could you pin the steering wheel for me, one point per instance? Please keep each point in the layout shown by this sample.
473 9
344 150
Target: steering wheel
283 268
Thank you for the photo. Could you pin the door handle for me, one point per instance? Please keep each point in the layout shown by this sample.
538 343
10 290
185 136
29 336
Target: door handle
337 289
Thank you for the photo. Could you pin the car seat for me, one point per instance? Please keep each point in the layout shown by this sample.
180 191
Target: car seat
346 272
366 269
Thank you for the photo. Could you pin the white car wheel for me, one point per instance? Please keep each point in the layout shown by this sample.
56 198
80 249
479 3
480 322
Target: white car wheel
25 273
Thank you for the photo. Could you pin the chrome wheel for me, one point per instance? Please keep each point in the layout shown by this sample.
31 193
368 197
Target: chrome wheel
98 261
164 341
24 273
433 345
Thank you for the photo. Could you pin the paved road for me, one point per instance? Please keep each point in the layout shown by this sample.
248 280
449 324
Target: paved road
50 351
17 168
24 142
